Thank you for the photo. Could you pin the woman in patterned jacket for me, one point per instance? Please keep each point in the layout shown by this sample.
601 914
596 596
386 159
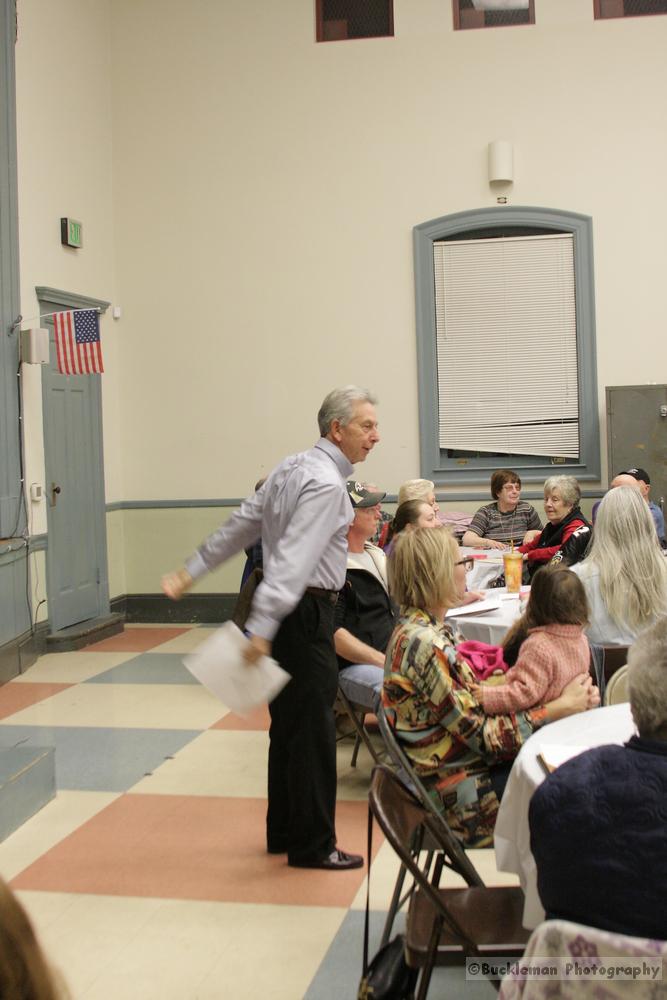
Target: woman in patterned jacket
453 745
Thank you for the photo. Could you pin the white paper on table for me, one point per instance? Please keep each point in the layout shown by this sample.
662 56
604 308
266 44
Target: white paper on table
474 608
553 755
219 665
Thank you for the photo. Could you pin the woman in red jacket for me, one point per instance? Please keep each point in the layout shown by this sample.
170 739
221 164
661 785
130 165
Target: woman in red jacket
565 538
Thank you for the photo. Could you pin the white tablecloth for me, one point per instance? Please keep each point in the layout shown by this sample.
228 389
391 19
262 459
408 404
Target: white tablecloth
490 626
512 835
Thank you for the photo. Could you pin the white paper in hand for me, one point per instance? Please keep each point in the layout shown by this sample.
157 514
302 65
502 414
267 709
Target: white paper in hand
219 665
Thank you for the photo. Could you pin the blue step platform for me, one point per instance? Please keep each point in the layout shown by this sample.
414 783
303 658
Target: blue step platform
27 782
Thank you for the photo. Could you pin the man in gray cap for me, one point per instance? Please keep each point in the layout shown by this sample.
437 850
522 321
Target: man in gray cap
364 617
644 481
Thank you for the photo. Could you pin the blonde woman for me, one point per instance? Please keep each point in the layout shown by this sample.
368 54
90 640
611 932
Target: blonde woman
427 695
625 572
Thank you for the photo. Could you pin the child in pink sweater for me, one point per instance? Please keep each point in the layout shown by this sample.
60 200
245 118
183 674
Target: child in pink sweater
553 649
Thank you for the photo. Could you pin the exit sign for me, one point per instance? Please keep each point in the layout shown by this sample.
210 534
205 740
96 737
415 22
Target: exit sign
71 233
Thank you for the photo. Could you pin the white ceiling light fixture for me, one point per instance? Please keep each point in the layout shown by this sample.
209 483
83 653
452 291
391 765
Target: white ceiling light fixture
500 4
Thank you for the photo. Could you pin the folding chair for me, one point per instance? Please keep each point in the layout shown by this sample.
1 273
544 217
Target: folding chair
442 924
617 688
357 715
454 857
615 657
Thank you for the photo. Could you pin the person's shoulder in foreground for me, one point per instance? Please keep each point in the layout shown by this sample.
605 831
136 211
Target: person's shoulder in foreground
599 822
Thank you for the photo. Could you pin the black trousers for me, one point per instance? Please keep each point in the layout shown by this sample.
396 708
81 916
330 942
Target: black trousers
302 750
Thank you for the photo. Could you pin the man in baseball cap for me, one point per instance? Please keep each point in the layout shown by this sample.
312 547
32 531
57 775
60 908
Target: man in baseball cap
364 615
643 481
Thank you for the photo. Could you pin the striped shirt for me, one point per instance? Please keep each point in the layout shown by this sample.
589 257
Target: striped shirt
490 522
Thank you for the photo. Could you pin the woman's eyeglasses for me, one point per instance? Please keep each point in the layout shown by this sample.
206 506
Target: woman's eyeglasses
468 562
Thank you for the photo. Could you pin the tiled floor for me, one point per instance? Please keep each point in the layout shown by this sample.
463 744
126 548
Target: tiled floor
147 877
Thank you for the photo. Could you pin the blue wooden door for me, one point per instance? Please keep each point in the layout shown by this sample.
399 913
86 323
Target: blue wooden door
76 554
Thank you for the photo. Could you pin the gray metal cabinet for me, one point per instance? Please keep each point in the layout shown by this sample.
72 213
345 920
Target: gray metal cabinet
637 433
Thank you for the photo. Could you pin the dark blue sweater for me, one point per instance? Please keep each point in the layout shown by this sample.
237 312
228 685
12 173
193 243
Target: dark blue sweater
598 833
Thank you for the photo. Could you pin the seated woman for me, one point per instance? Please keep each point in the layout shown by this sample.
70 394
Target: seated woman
625 572
598 824
411 514
508 519
427 694
566 536
418 489
552 647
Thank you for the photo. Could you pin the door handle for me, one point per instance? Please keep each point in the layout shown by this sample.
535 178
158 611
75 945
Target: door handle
55 490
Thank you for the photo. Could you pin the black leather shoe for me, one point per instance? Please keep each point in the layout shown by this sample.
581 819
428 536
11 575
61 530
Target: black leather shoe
337 861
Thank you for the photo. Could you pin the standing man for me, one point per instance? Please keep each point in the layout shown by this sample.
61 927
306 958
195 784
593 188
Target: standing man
301 513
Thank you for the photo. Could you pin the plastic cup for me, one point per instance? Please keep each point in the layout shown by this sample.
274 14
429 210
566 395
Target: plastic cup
513 566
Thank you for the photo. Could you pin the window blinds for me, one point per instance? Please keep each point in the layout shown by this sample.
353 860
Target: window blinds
507 345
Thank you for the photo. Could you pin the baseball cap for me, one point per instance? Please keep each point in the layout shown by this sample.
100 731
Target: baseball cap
361 496
641 474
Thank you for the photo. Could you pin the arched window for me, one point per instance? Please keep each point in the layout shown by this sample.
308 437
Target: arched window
506 344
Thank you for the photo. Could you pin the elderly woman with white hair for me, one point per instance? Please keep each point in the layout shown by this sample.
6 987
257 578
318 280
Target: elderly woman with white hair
625 572
598 824
566 536
418 489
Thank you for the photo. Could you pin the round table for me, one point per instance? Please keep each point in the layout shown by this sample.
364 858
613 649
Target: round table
598 727
488 626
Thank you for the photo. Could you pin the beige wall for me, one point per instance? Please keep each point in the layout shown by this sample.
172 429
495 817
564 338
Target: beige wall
249 198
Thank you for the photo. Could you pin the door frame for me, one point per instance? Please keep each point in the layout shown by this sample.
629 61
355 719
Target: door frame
53 300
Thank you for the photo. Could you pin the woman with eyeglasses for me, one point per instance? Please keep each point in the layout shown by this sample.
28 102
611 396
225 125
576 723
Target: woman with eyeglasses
458 751
507 520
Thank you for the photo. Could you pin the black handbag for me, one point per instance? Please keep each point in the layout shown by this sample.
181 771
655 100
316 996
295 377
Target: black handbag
387 976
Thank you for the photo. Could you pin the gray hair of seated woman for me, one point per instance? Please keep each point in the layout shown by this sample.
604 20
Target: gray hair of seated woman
647 681
567 486
339 405
416 489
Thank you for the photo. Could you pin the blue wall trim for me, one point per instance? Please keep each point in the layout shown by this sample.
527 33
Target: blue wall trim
457 497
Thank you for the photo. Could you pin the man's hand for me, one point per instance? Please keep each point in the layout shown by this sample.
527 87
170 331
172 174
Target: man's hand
255 648
175 584
492 543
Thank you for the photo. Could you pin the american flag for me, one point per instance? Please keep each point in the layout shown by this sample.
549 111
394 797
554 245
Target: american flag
78 347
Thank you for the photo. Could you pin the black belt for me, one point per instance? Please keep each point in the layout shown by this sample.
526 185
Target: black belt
328 595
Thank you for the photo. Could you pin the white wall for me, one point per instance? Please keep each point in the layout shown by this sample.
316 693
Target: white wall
262 190
64 139
272 185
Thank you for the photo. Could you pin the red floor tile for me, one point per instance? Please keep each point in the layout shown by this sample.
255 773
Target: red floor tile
259 719
179 847
14 697
135 640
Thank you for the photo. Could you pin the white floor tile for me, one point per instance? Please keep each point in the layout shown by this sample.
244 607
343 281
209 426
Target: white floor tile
145 706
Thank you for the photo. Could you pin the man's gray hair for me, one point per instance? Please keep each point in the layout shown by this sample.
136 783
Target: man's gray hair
647 681
567 486
339 405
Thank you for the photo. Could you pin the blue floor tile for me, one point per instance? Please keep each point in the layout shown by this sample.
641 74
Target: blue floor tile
100 760
340 972
147 668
